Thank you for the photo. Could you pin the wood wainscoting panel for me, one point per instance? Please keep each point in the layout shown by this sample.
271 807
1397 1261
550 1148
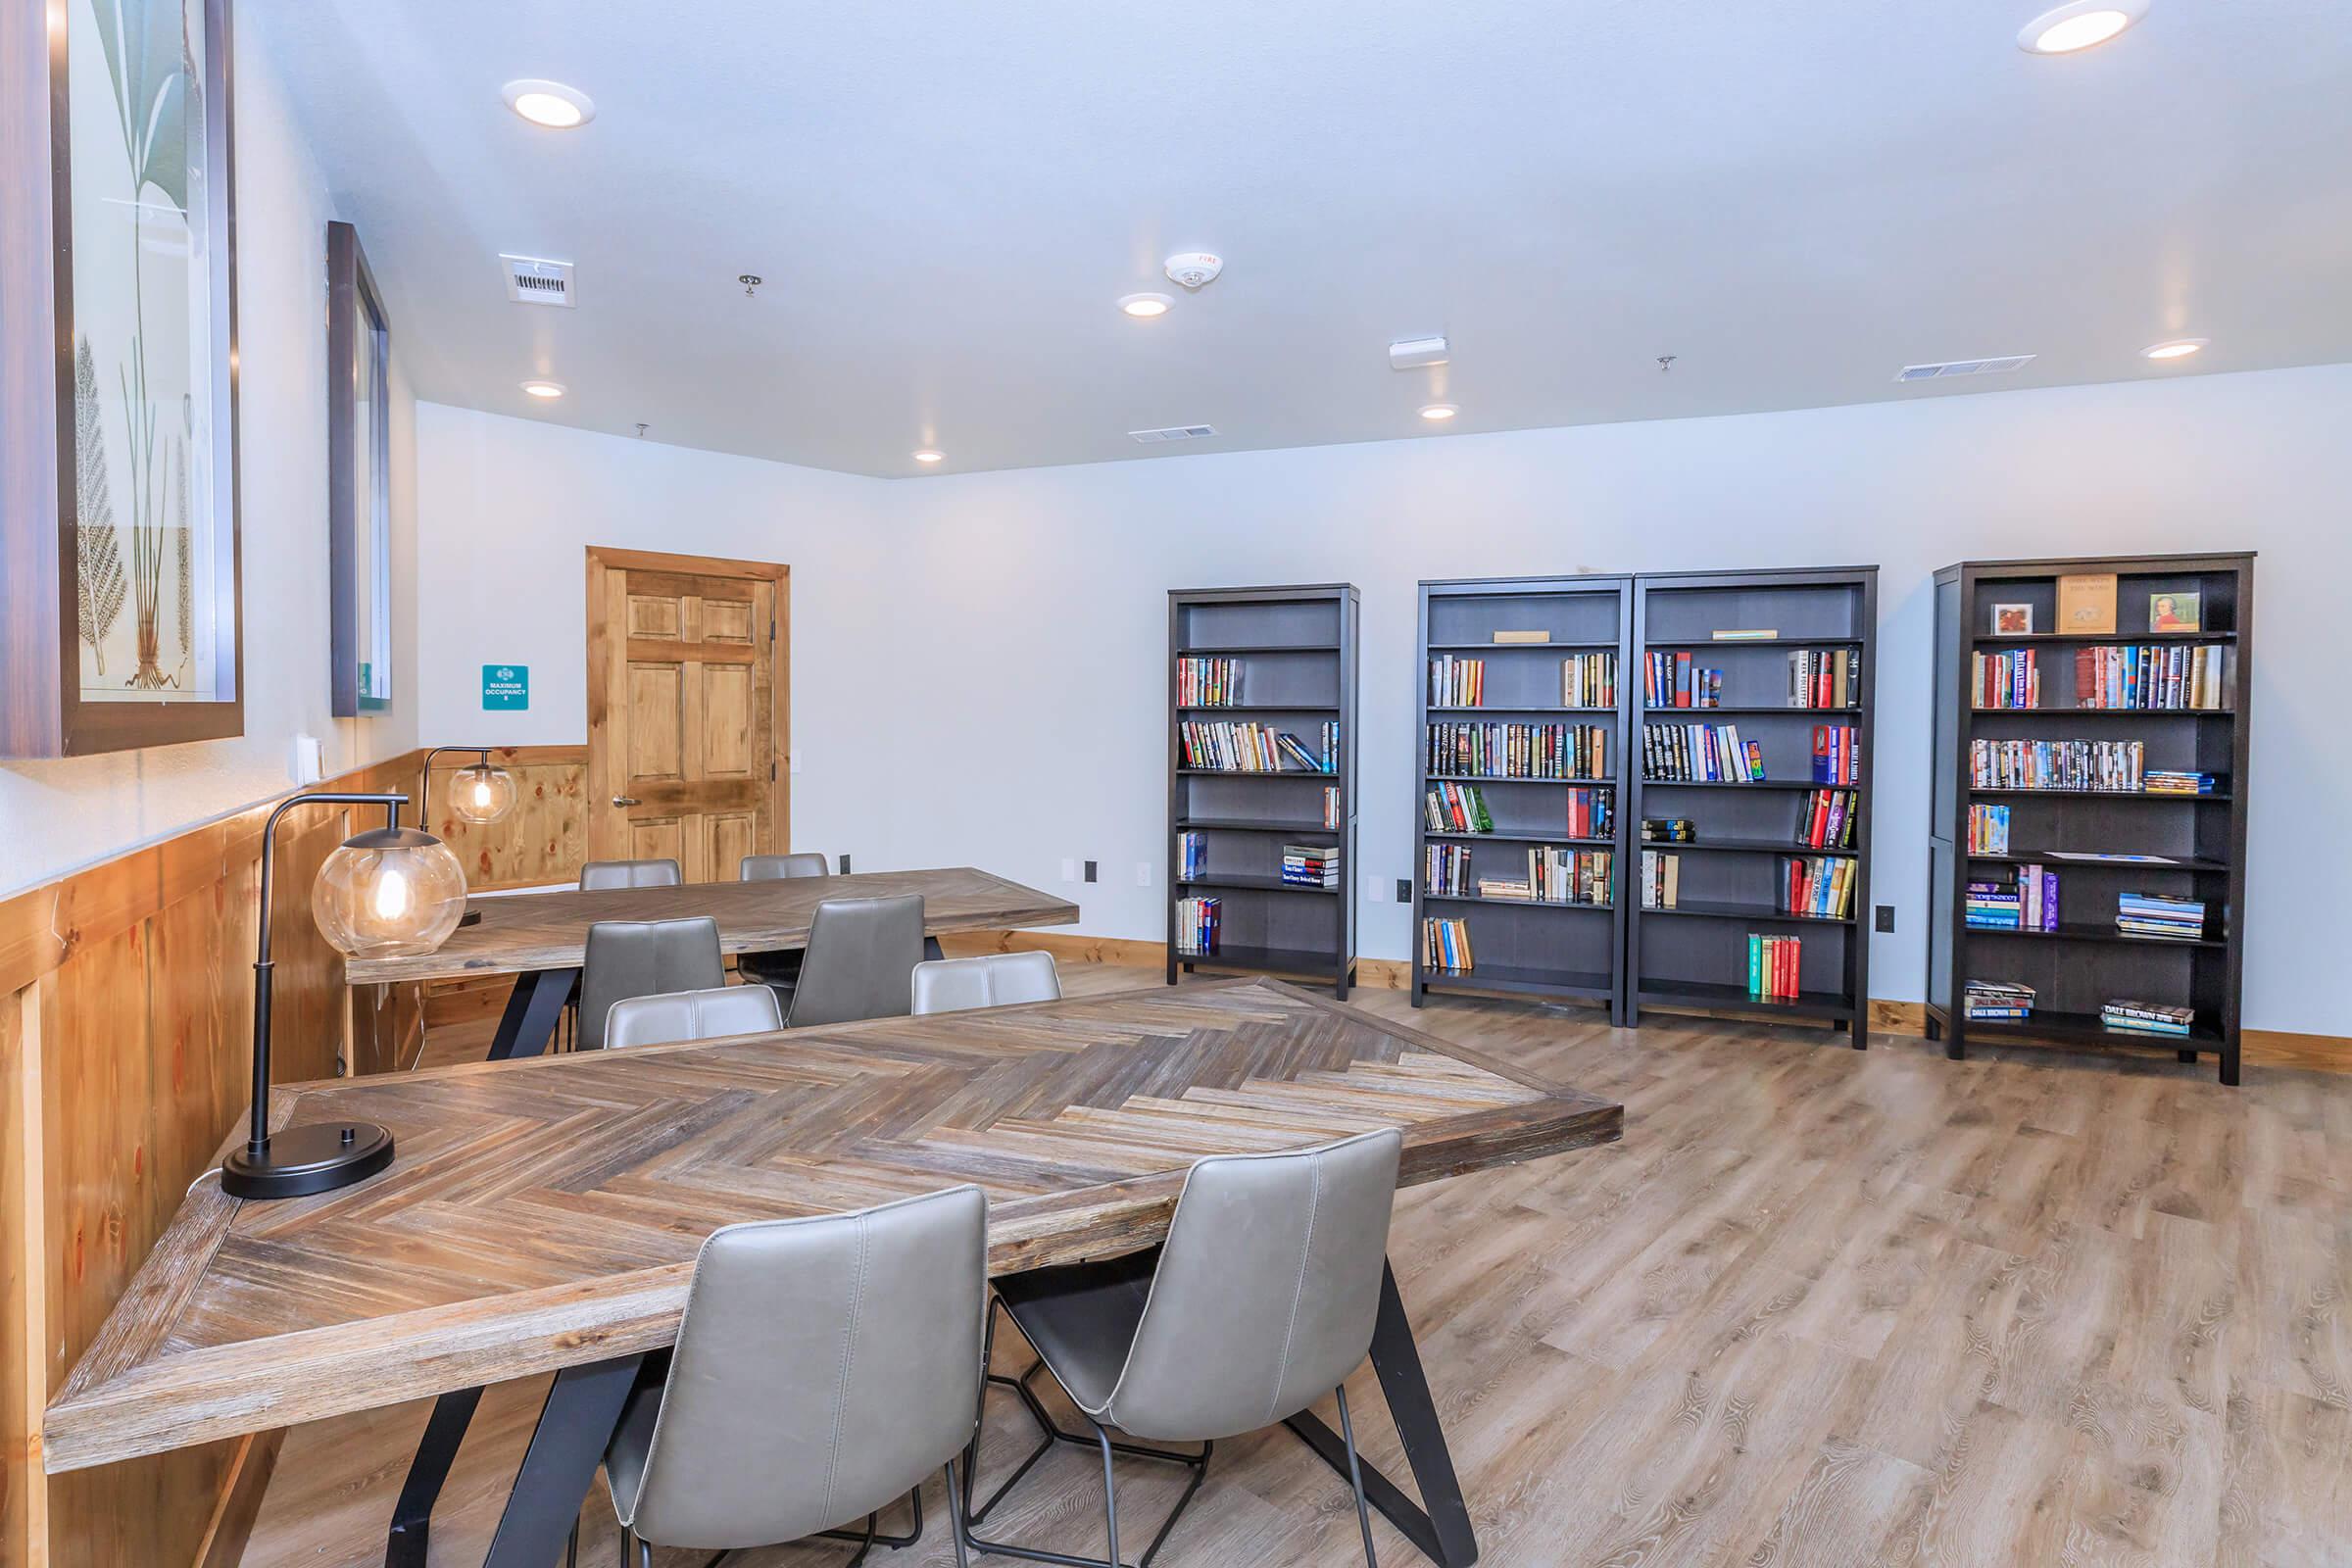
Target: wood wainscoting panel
543 840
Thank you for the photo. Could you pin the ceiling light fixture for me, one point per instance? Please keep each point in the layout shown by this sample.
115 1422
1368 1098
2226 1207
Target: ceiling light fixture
1143 307
1436 413
549 390
2079 25
2178 348
548 103
930 454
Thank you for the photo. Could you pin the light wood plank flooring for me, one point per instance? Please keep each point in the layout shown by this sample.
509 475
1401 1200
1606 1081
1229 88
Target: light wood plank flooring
1818 1308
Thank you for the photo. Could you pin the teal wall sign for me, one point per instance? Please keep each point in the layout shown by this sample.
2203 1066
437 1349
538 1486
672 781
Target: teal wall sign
505 686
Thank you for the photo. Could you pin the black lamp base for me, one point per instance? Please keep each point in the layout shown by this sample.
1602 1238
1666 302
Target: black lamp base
315 1159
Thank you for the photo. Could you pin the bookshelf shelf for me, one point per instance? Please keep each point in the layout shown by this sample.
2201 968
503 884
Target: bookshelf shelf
2086 963
1516 945
1293 651
1694 955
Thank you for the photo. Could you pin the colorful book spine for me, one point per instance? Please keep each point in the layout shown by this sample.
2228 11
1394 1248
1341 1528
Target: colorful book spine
1486 750
2072 766
1197 922
1774 967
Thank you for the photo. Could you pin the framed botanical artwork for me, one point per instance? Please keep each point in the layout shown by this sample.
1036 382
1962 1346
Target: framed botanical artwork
359 506
118 431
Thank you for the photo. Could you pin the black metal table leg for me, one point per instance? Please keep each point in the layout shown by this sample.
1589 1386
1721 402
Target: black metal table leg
932 951
532 1009
1440 1525
436 1451
583 1406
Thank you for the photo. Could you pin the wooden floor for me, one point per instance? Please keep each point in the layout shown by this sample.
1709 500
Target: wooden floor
1818 1308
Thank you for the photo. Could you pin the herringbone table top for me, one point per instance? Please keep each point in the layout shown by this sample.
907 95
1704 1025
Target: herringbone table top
550 930
546 1211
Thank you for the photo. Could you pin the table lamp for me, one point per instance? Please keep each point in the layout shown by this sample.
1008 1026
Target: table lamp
385 893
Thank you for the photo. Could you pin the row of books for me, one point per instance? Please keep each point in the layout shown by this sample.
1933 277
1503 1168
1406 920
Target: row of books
1988 830
1192 855
1445 945
1519 751
1592 813
2158 914
2173 678
1456 809
2006 680
2093 766
1555 875
1825 677
1311 866
1197 921
2146 1018
1827 822
1446 870
1457 682
1661 879
2024 899
1706 754
1671 680
1225 747
1837 754
1589 680
1774 965
1331 805
1996 1000
1207 682
1818 885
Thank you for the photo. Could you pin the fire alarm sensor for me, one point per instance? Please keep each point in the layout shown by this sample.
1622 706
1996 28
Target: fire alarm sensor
1192 269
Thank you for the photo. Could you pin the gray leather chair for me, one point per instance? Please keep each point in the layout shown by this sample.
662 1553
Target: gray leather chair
992 980
779 970
777 867
823 1367
679 1015
644 959
860 961
598 875
1260 1303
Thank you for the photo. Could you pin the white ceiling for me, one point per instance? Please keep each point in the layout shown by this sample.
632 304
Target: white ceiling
1795 197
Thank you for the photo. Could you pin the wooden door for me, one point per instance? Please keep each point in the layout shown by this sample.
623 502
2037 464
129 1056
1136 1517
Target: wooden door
687 709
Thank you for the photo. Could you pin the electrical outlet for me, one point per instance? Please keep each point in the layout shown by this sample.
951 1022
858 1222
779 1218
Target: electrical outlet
1143 873
1886 917
845 865
1069 868
1405 890
1090 870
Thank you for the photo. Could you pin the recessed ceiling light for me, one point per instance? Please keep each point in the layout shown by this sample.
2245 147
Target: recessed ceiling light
550 390
1143 307
930 454
548 103
1435 411
2079 25
2178 348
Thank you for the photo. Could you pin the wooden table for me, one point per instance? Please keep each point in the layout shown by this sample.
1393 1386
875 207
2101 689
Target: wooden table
542 1215
540 937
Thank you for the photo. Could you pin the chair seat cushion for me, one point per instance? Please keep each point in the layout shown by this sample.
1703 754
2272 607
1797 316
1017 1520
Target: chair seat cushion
1081 1319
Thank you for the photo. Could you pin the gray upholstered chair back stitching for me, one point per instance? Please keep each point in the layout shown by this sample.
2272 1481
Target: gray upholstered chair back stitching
859 961
777 867
992 980
1266 1292
823 1368
644 959
629 874
679 1015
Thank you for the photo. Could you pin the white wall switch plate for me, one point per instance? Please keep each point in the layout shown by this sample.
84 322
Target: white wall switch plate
1069 868
309 765
1143 873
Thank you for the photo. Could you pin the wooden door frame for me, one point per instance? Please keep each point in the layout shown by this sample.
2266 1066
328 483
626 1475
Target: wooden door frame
603 559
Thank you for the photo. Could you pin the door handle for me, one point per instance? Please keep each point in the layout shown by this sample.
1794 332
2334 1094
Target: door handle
627 800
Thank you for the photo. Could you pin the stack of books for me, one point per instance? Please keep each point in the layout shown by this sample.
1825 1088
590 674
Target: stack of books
1445 945
1988 830
1669 830
1446 870
1817 885
1996 1000
1589 680
2163 678
2006 680
2158 914
2093 766
1519 751
1457 682
2169 781
1774 964
2023 900
1699 754
1590 815
1311 866
1207 682
1837 754
1197 926
1825 677
1456 809
1828 820
2146 1018
1661 879
1225 747
1192 855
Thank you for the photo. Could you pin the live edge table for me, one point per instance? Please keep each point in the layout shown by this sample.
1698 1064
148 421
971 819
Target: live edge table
543 1215
540 937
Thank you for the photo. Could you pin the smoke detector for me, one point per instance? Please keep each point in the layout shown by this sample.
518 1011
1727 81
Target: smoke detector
1412 353
1193 269
531 280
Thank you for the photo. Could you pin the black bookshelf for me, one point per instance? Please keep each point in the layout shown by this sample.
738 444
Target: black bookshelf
1296 649
1695 956
1549 949
2087 962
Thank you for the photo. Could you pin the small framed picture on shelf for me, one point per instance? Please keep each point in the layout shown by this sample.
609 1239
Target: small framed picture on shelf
2013 620
2174 613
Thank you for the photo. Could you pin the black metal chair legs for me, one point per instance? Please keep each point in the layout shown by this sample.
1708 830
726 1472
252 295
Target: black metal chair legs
635 1554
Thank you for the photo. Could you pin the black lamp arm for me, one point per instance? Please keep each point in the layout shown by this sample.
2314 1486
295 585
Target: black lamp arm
424 780
256 1138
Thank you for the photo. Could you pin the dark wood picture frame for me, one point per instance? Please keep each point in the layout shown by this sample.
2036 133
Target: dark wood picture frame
42 710
355 514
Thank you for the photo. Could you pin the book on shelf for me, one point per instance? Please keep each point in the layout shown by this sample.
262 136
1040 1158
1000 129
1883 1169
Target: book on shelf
1489 750
1751 634
2087 602
2169 678
1988 830
1591 812
1825 677
1996 1000
1456 809
1820 886
2006 680
2160 915
1205 681
1192 855
2171 781
1827 822
1774 966
1837 754
2022 898
1671 680
1699 754
2104 857
1445 945
1669 830
1226 746
1197 921
1514 637
1331 805
1446 870
1554 875
1311 866
2146 1018
2110 768
1589 680
1457 682
1661 879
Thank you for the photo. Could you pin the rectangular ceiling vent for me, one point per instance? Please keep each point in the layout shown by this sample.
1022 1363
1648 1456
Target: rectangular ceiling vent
1175 432
533 281
1951 367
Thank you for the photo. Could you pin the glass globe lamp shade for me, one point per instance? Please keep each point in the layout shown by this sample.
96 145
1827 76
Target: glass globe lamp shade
481 794
393 893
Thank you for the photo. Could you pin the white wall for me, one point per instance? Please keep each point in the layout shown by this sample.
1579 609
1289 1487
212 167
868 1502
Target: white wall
977 659
56 815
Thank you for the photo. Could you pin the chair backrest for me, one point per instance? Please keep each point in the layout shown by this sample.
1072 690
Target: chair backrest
776 867
644 959
992 980
629 874
823 1367
859 961
1266 1291
664 1021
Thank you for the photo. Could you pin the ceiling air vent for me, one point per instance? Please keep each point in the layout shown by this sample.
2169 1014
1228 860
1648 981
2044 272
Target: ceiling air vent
1175 432
533 281
1951 367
